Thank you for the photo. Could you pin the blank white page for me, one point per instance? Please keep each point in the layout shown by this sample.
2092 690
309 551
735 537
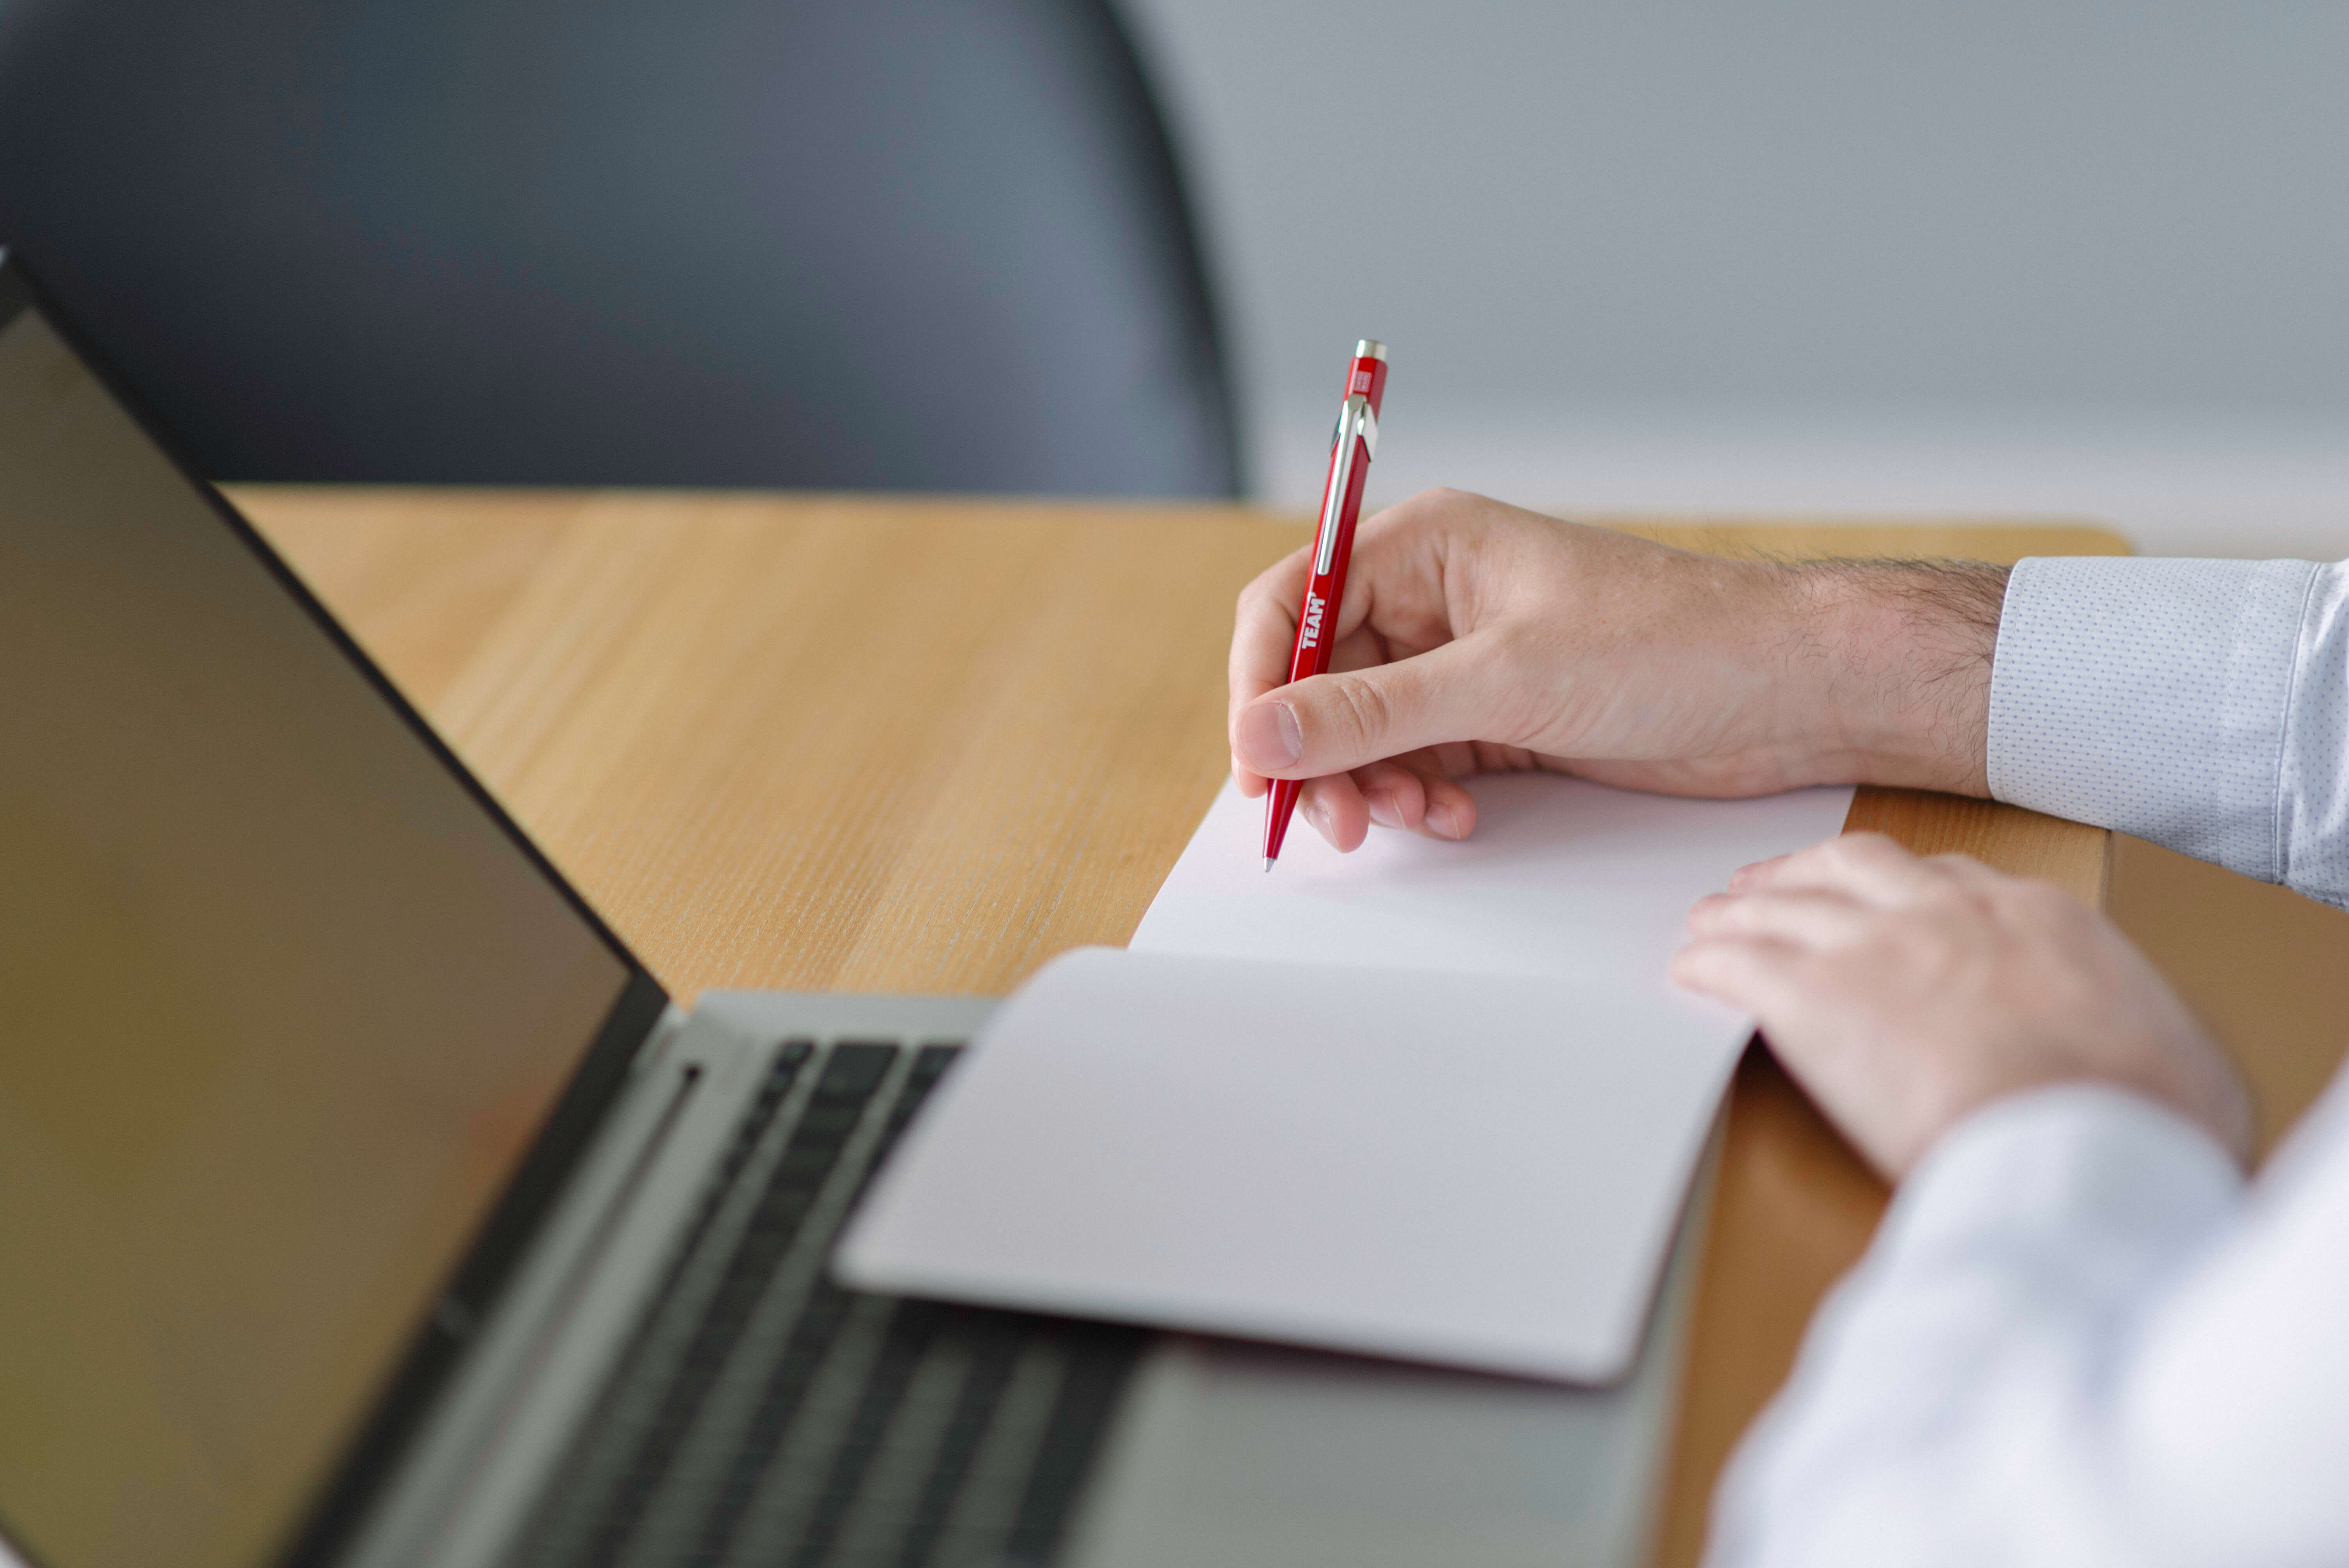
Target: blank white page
1430 1100
1562 877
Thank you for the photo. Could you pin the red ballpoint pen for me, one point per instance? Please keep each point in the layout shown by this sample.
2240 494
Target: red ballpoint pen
1352 448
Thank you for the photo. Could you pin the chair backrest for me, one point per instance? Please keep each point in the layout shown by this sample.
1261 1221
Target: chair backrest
926 245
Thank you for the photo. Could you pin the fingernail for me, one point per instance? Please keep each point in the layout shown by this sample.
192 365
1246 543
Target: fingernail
1319 815
1444 820
1269 738
1383 810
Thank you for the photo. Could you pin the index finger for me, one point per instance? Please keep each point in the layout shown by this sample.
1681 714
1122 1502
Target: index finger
1264 636
1264 628
1867 866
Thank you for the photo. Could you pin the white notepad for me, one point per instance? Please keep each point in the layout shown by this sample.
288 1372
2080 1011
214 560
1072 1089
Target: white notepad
1430 1100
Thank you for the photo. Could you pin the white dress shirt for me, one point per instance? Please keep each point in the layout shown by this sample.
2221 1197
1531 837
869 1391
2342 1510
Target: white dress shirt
2081 1337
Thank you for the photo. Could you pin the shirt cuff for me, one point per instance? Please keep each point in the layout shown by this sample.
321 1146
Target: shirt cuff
2151 695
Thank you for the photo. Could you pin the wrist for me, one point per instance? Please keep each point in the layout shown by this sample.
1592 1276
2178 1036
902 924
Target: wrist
1898 660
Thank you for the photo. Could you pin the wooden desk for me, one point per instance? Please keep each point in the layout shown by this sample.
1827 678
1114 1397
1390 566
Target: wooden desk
822 743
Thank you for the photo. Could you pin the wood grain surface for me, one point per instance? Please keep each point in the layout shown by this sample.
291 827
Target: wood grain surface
883 744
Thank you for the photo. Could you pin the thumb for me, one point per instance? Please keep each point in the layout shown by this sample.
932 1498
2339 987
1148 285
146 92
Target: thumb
1329 724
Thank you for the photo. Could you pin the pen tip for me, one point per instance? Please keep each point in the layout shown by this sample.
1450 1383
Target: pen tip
1267 862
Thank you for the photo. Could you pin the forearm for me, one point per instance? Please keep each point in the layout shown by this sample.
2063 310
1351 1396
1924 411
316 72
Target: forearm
2193 703
1891 660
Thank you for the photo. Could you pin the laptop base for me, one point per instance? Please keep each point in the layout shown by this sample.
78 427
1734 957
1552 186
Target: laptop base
866 1430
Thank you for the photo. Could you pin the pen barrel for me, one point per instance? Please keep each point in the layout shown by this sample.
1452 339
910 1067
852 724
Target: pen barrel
1351 450
1325 590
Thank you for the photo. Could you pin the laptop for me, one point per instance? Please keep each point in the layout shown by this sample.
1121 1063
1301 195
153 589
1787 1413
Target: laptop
364 1201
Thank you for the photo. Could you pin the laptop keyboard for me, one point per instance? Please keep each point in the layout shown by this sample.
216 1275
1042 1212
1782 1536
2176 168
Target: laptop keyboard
764 1415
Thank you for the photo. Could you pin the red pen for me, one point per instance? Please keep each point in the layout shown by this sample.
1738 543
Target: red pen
1352 448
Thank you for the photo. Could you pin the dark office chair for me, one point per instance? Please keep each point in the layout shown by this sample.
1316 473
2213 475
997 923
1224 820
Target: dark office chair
928 245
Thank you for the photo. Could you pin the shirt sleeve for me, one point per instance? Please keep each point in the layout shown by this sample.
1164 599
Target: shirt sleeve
2203 704
2077 1340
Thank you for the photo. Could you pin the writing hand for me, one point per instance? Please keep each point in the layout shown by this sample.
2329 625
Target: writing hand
1476 636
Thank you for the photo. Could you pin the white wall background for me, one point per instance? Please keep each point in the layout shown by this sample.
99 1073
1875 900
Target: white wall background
2010 255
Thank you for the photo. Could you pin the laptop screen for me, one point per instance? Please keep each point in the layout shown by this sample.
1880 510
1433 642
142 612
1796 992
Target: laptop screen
285 1004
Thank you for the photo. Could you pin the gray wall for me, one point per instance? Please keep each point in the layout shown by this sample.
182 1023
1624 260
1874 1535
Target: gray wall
1998 255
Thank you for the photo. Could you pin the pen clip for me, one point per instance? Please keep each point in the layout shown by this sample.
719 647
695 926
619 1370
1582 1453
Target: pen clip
1354 418
1370 430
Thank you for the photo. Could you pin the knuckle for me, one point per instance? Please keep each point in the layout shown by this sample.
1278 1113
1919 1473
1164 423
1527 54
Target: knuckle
1975 905
1424 509
1360 706
1263 590
1849 849
1517 645
1273 576
1942 879
1845 855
